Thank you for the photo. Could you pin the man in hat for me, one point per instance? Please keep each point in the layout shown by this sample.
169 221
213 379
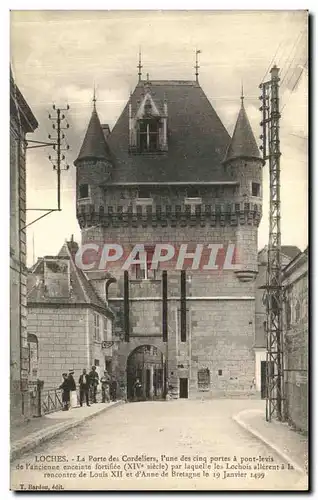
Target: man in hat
94 381
84 387
72 384
105 381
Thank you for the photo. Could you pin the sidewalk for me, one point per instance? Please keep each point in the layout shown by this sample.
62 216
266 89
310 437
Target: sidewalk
27 436
288 444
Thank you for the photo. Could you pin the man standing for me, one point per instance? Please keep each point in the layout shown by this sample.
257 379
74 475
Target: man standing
94 381
84 387
113 388
137 390
105 380
65 386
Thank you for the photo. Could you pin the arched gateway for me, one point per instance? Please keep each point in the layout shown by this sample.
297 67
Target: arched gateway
146 363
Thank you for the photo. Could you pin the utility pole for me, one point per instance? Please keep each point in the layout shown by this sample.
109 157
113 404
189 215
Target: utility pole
59 145
273 288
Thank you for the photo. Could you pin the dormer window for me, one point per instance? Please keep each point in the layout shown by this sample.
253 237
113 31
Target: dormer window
148 139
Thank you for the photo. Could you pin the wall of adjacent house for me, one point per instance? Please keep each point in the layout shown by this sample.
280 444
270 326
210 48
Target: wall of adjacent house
63 341
67 339
18 335
296 346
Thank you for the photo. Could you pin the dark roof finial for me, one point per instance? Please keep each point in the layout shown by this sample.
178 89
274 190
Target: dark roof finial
242 95
94 98
196 67
139 66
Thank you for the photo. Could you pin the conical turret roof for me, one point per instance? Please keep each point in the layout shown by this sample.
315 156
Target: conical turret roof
94 146
243 143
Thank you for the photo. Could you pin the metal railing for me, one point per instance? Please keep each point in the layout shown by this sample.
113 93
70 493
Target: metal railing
51 400
45 401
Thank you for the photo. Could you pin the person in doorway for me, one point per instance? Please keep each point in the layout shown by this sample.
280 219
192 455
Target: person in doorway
105 381
137 390
73 394
113 388
84 387
65 386
94 381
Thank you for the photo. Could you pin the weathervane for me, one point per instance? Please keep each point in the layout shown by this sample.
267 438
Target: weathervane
196 67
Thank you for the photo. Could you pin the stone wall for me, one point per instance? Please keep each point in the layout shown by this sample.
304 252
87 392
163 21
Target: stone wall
62 341
65 341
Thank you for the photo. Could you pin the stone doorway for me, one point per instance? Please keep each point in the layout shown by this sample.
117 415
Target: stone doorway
146 364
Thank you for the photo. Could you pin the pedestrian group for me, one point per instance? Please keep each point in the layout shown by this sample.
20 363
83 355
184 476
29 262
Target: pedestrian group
88 384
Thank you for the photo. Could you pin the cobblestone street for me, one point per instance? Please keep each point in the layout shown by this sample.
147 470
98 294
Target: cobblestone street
174 428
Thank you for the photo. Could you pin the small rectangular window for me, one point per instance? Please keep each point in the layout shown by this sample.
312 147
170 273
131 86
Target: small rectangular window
143 270
96 362
143 192
96 327
256 189
193 192
107 333
220 372
83 191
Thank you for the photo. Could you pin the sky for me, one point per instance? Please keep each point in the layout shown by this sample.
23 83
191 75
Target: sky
59 56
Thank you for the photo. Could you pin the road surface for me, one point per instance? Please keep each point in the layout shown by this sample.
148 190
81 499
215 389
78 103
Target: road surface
167 445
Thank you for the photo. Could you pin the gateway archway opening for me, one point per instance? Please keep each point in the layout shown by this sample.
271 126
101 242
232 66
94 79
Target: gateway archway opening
145 364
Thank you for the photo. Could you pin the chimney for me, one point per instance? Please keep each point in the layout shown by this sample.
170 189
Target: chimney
57 279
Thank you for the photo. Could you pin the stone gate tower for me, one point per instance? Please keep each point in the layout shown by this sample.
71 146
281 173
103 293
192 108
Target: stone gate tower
169 173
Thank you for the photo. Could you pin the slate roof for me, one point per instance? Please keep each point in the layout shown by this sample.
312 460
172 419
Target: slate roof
94 146
290 251
82 290
197 139
243 143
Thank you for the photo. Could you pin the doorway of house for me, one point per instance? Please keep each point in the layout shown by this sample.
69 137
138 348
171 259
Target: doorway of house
183 388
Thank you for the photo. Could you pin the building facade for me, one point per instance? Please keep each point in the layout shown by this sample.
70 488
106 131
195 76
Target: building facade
22 122
288 253
169 173
69 325
295 282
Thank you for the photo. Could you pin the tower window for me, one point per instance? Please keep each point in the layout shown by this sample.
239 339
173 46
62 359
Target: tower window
83 191
143 270
148 135
143 192
256 189
193 192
